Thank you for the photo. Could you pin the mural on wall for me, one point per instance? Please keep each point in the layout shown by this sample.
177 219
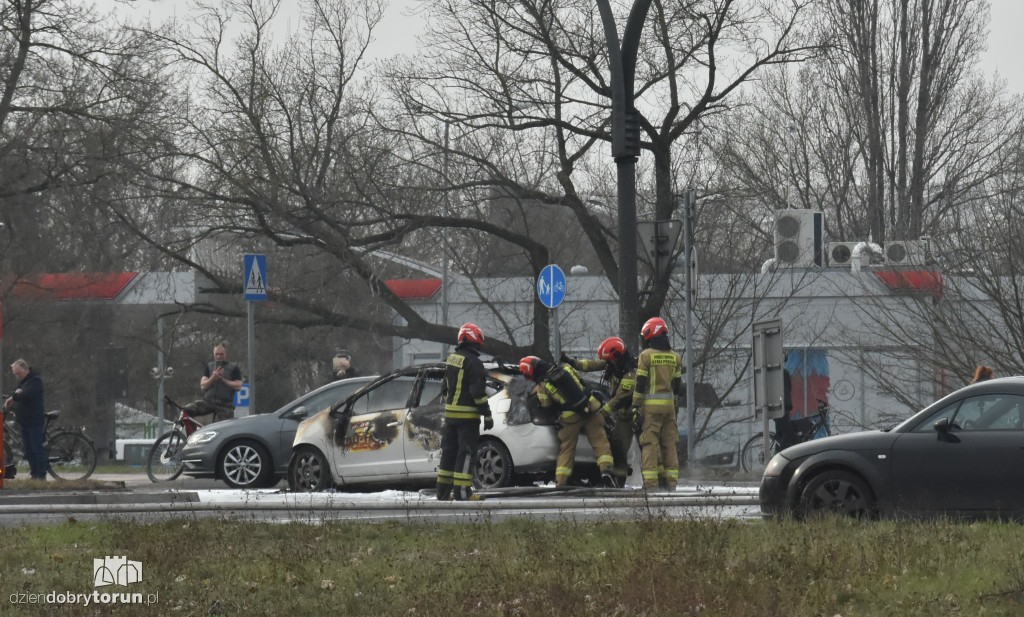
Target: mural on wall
808 369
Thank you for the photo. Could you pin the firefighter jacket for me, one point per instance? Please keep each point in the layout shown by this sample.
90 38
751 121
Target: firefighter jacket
563 388
621 382
465 385
658 378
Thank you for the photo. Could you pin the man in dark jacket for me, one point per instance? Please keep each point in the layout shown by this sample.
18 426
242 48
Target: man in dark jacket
30 414
221 379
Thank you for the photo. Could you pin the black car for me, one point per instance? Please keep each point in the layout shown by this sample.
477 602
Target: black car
962 456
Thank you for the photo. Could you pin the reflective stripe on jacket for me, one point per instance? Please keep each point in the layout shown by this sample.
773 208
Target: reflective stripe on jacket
465 385
657 370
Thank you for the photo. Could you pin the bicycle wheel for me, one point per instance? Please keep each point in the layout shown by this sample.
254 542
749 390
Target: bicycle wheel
752 455
72 456
165 462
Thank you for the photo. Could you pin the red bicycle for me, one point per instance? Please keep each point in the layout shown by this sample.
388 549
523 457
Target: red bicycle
165 461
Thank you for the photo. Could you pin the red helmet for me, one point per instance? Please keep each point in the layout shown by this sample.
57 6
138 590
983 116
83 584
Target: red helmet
472 333
611 348
527 365
655 326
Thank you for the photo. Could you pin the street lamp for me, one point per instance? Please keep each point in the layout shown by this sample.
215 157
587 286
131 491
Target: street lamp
160 372
625 150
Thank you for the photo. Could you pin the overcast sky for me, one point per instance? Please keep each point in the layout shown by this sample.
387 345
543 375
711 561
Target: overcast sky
1005 54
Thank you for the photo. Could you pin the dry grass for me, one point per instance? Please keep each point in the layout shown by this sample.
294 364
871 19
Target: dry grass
650 568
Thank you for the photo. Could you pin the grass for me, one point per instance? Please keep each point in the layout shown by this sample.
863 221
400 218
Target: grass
650 568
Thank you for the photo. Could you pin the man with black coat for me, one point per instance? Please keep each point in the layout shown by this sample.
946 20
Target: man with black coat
30 414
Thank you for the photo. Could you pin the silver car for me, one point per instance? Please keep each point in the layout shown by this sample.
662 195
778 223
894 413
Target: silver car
253 452
389 434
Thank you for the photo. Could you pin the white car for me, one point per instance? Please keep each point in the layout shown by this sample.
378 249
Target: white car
388 433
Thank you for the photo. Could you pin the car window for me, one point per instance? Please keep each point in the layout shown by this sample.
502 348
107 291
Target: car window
389 395
989 412
992 412
431 394
322 400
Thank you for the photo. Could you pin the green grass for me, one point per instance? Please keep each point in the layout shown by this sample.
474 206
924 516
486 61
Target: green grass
650 568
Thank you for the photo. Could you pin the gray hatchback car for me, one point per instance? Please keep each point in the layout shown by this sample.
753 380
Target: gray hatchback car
253 452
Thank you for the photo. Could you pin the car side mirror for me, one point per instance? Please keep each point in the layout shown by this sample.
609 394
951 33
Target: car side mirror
942 427
300 412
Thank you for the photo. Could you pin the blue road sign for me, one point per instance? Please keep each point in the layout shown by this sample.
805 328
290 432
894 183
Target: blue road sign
242 396
255 283
551 286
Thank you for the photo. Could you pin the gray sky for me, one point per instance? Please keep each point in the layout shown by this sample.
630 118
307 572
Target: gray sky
1005 54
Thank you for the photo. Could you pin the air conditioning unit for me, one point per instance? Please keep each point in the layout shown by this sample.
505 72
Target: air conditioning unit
798 238
906 253
840 254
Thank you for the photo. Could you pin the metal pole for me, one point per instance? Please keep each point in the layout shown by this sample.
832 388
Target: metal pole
629 299
444 244
557 344
252 356
687 252
160 373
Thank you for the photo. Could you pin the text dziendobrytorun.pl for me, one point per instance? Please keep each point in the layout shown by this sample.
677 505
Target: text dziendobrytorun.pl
84 599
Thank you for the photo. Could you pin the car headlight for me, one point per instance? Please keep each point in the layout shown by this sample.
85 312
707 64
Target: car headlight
776 465
201 437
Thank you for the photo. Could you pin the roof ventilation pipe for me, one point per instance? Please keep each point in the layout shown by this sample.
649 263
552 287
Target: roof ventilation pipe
863 248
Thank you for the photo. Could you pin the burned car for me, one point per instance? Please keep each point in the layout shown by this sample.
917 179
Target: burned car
388 434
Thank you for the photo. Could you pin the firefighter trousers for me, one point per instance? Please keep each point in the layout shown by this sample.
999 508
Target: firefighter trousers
660 462
591 425
459 438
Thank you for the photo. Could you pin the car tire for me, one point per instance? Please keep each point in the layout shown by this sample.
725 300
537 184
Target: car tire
308 471
836 492
245 464
493 466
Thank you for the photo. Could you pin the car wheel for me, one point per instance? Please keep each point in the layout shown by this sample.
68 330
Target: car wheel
245 464
836 492
308 471
493 465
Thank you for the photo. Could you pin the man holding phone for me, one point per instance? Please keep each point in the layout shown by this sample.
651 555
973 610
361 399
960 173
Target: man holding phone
221 379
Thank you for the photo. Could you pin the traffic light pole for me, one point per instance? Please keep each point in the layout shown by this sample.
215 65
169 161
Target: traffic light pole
625 150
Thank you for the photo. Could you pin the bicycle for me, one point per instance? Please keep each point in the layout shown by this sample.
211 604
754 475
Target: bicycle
165 462
71 454
804 429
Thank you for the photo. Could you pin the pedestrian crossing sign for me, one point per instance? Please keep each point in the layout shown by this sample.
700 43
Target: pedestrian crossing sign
255 283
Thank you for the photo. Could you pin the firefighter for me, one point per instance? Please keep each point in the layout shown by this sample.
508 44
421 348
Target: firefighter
658 382
560 386
465 402
619 368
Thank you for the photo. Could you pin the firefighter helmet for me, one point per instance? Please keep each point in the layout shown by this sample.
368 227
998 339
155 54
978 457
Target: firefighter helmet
527 366
611 348
472 333
655 326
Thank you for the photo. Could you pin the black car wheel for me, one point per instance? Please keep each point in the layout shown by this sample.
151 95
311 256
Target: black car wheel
836 492
245 464
308 471
493 465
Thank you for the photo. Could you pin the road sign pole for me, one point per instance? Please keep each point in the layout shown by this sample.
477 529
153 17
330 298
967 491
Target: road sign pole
252 356
557 336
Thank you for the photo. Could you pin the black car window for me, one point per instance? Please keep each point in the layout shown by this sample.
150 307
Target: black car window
928 424
389 395
991 412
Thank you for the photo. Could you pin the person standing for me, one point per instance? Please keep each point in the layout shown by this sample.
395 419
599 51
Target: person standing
619 368
220 380
784 424
341 365
30 413
560 386
465 402
658 382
